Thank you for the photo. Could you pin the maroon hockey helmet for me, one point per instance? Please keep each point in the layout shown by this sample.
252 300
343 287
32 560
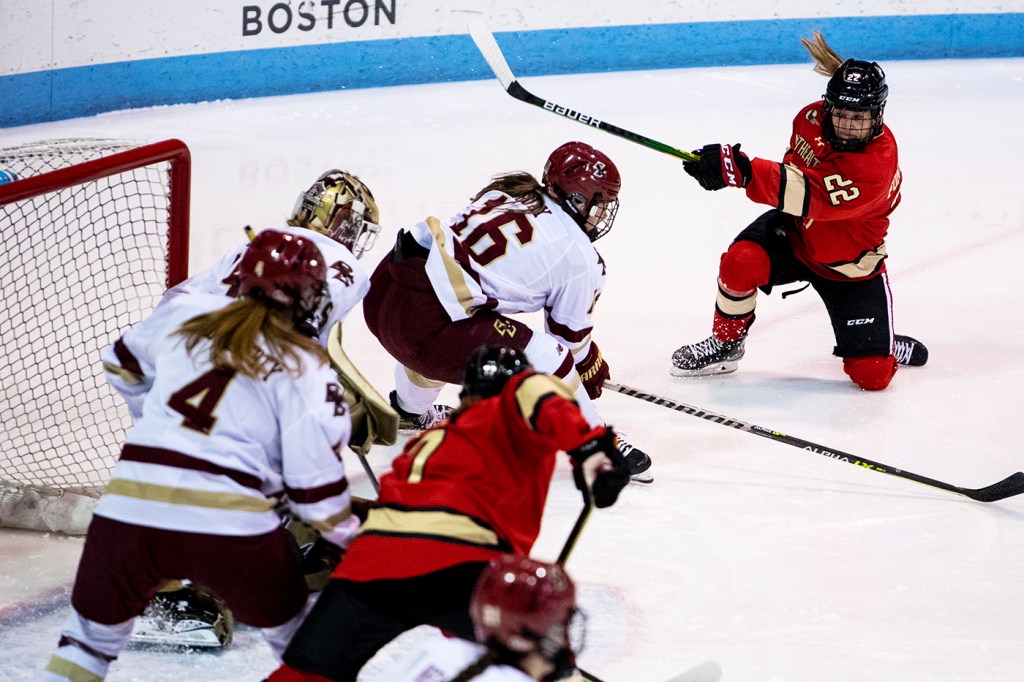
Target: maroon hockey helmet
586 183
287 271
524 605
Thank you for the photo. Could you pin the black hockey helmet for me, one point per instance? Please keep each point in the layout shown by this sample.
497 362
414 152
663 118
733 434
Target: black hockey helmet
855 86
488 369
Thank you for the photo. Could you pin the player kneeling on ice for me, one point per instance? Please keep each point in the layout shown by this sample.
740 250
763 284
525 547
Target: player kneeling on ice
832 196
527 628
521 246
461 493
240 408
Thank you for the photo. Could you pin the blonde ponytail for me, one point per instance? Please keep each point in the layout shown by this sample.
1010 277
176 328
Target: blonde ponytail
234 333
826 61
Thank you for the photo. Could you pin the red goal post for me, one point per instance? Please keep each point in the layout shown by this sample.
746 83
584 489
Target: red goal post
94 231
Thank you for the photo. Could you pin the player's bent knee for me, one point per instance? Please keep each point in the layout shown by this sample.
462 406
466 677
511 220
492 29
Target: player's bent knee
745 266
548 356
872 373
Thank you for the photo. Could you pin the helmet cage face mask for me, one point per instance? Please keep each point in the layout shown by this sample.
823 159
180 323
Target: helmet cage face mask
855 89
585 183
340 206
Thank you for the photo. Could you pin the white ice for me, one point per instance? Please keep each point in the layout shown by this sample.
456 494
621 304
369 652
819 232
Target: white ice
780 564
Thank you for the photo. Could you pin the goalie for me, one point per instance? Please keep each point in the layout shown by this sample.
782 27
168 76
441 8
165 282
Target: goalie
338 214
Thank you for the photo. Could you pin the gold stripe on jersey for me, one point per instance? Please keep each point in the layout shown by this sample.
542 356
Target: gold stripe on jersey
456 275
793 194
63 668
122 373
187 496
331 522
867 264
531 394
442 525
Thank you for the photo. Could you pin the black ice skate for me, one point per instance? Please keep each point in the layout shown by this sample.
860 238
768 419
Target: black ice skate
909 351
707 357
637 460
407 421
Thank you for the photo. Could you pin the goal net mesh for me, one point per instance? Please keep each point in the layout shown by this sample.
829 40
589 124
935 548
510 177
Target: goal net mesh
79 265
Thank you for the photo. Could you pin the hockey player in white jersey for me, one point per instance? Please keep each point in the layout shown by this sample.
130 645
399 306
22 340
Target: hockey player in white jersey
521 246
524 613
339 215
239 408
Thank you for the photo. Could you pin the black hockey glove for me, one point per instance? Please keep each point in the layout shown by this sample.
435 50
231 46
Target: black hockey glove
608 482
719 166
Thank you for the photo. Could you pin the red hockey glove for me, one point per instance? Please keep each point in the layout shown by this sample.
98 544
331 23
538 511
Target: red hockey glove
593 371
719 166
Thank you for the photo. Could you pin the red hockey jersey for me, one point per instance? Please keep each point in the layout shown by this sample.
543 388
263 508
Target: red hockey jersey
471 488
842 200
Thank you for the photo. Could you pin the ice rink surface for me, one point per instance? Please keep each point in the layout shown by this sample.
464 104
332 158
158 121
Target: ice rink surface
779 564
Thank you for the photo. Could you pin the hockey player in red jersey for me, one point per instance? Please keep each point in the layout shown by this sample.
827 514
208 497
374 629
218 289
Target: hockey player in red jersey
460 494
240 410
832 195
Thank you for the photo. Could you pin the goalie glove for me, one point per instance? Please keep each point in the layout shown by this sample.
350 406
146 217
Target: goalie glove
599 464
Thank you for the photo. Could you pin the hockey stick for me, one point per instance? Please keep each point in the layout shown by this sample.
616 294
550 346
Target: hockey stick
1008 487
488 47
581 521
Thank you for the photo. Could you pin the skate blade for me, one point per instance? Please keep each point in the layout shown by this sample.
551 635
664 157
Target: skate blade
711 370
643 477
185 634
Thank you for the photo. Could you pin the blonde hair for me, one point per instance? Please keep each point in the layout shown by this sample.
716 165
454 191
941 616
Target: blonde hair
235 331
826 61
519 185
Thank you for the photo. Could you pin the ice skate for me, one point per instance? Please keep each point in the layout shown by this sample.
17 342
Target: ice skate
407 421
707 357
909 351
637 460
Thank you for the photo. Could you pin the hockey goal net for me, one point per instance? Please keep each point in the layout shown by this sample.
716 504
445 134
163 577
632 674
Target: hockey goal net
94 231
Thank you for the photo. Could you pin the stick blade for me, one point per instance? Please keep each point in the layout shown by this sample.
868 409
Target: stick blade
1008 487
488 47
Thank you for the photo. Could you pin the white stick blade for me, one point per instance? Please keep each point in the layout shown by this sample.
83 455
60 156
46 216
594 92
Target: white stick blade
488 47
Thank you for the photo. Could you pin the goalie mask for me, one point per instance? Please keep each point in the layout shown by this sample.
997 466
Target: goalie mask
586 185
340 206
288 272
854 102
523 606
489 368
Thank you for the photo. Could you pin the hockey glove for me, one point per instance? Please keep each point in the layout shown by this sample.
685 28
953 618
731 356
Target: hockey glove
719 166
593 371
610 479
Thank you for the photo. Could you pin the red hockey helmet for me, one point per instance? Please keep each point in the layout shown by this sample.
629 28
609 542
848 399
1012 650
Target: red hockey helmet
524 605
287 271
586 183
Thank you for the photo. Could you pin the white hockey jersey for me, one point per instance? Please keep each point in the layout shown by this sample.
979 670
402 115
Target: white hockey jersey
347 280
496 256
211 447
442 660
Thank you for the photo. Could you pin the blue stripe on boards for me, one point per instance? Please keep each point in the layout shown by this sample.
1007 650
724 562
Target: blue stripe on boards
81 91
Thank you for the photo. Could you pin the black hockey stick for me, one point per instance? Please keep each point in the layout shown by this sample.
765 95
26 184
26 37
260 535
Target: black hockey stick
581 521
488 47
1008 487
